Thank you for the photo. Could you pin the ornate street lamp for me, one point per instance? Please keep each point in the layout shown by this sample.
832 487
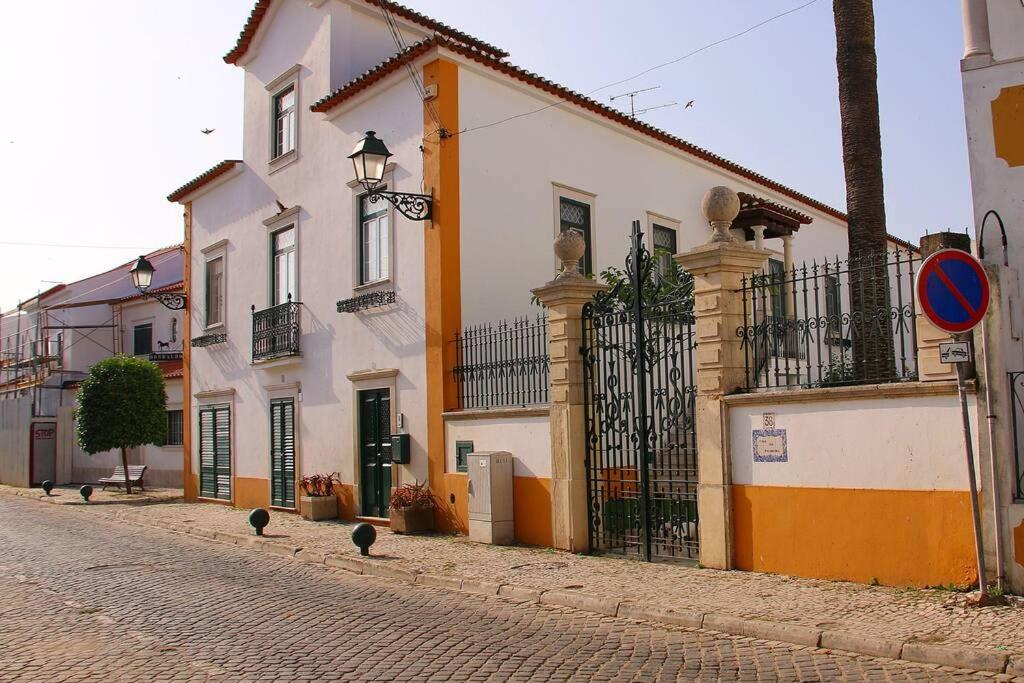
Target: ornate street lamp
369 158
142 278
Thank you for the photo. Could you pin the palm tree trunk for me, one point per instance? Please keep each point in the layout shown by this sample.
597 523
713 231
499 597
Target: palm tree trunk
857 65
127 479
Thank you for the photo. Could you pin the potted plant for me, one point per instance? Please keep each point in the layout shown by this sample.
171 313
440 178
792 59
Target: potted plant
412 509
318 500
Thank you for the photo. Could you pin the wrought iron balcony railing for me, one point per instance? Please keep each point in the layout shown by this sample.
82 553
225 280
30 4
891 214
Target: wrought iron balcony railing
275 331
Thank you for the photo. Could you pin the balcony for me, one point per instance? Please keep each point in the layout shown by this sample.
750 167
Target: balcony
275 332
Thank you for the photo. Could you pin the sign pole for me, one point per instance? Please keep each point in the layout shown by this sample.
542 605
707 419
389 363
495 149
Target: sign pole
979 546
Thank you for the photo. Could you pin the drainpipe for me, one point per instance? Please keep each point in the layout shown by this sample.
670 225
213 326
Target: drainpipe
990 415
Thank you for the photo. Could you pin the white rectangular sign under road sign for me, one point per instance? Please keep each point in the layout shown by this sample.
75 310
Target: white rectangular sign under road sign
955 352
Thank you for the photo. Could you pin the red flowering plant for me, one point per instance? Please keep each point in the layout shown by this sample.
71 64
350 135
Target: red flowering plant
414 495
320 485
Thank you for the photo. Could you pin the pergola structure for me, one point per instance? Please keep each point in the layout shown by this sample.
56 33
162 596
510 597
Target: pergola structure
760 219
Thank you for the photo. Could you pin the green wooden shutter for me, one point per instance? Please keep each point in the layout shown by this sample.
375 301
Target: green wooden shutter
207 455
222 443
282 452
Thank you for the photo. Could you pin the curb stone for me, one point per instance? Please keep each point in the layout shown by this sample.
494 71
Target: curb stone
310 556
959 658
868 645
347 563
581 601
520 593
764 630
480 587
280 549
450 582
386 572
664 616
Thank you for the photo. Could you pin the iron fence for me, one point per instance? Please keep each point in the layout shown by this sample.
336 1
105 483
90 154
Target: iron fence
275 331
502 364
1017 420
800 328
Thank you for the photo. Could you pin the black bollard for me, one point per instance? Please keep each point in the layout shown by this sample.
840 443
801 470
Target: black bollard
364 535
258 519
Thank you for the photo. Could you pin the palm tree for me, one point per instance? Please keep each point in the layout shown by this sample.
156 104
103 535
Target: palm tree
857 64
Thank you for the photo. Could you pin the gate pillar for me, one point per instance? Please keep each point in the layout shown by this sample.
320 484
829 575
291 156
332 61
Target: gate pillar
564 298
717 269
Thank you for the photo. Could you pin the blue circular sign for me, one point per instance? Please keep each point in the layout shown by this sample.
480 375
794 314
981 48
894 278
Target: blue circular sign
953 290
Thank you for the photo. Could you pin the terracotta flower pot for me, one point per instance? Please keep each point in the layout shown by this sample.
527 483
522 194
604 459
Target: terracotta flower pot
316 508
412 520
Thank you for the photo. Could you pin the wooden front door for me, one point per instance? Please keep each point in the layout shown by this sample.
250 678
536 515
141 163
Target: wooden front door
375 451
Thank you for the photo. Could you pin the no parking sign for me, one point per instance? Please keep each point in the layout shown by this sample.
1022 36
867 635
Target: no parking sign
953 290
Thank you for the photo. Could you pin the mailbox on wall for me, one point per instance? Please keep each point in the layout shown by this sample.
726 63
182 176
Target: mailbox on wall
400 449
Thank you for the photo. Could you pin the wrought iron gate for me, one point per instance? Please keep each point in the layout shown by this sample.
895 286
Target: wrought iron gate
638 351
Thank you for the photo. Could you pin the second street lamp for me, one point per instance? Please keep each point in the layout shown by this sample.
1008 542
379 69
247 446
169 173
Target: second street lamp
142 278
369 159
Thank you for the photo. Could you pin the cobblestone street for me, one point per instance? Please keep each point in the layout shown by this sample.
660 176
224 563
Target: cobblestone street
90 598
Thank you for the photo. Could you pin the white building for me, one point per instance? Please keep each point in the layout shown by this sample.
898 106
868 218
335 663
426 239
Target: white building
993 83
49 344
289 220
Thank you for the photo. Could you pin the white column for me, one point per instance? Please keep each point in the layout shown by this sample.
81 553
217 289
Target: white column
787 261
758 236
977 42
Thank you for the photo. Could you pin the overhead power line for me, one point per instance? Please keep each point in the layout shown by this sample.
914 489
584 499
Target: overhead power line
648 70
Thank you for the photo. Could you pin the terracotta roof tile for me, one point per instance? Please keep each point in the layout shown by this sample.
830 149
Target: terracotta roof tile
261 8
202 179
537 81
752 201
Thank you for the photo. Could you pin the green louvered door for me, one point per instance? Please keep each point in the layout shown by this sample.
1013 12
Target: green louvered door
215 452
282 452
375 451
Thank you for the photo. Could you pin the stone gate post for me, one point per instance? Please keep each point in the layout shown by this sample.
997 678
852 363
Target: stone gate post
564 298
717 269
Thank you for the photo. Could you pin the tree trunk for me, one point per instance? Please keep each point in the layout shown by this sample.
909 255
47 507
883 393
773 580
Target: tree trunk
871 326
124 464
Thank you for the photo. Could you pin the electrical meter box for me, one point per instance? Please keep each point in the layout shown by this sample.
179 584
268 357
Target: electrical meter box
491 518
400 449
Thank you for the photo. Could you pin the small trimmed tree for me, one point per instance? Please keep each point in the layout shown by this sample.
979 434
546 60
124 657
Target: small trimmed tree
121 404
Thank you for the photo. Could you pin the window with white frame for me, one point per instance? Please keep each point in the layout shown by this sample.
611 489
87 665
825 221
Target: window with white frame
574 215
284 121
665 247
215 291
374 242
283 270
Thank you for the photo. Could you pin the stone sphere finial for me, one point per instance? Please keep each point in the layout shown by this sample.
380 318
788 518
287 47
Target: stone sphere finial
569 248
720 205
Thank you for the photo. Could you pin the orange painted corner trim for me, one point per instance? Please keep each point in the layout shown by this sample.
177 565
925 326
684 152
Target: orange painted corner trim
442 283
190 481
1018 544
1008 125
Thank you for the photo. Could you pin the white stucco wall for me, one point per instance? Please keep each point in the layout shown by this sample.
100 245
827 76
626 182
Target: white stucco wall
904 443
509 208
528 439
334 345
15 430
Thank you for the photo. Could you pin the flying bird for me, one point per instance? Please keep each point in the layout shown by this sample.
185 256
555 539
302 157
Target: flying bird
280 207
688 104
207 131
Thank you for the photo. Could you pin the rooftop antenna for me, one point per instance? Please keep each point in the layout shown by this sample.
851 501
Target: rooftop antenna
632 95
660 106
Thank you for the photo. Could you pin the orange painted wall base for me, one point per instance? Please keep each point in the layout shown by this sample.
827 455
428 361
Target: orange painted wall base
532 502
1018 544
898 538
251 493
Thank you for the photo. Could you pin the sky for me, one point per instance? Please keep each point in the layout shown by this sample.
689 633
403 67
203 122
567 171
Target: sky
104 102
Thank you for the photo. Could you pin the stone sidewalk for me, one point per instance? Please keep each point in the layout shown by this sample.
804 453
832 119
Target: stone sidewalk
931 626
69 495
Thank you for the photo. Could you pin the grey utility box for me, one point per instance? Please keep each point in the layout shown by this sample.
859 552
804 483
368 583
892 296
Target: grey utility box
491 518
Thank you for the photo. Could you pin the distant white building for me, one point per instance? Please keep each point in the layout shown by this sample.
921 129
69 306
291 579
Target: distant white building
285 240
49 343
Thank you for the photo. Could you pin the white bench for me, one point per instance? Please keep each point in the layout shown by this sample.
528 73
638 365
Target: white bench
135 474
